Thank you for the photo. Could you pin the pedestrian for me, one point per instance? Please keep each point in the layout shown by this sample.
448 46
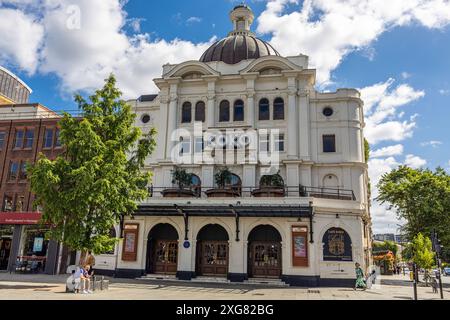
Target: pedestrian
90 260
434 284
85 279
359 277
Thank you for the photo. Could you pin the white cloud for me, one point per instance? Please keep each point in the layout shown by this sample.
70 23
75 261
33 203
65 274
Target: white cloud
432 143
20 39
382 103
388 151
328 30
192 20
406 75
415 161
444 92
83 57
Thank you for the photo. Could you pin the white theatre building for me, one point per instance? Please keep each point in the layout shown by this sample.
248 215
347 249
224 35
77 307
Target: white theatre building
294 206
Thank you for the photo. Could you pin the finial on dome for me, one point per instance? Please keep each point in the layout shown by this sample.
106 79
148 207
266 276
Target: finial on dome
242 17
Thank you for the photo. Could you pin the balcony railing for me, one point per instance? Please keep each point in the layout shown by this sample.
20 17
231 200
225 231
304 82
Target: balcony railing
246 192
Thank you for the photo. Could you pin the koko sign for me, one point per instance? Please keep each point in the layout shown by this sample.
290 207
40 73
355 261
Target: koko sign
337 245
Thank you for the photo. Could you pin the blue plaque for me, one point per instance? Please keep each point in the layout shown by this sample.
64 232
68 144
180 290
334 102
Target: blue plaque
187 244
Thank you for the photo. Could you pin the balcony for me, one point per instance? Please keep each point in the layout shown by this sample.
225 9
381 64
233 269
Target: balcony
200 192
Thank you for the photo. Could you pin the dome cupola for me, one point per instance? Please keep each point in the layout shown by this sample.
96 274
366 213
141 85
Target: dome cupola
241 44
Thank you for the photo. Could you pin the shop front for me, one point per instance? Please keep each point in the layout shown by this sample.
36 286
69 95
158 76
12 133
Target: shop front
24 248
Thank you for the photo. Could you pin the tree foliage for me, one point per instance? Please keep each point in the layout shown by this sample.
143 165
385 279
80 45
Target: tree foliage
420 252
422 198
99 177
386 245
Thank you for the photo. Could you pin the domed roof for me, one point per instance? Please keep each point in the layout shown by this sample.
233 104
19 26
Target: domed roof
241 43
236 48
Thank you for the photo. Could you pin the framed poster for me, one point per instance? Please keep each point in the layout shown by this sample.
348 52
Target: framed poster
337 245
38 244
130 242
300 247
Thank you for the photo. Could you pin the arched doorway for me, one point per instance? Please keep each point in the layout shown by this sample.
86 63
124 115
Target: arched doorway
162 250
264 252
212 251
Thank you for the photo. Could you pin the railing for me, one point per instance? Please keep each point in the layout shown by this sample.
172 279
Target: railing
246 192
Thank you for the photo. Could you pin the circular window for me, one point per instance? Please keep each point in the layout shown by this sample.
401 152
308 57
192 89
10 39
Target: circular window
328 112
145 118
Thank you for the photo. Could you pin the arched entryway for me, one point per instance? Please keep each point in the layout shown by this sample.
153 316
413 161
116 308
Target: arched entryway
162 250
264 252
212 251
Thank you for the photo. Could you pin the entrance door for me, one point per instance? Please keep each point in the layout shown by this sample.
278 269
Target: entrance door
162 250
212 251
264 252
166 254
213 258
265 259
5 249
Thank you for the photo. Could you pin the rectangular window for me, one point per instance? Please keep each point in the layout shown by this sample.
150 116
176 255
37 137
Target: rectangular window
18 142
264 143
2 139
57 139
29 139
185 146
23 171
279 143
329 143
13 170
300 247
199 145
48 138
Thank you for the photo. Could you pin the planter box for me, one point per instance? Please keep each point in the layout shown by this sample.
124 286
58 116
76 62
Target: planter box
269 193
178 193
222 193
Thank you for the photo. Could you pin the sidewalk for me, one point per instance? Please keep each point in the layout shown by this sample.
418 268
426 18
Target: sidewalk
44 287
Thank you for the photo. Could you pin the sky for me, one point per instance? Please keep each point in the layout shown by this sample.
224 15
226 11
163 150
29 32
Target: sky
395 53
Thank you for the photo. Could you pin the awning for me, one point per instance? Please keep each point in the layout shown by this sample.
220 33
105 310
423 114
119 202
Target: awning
20 218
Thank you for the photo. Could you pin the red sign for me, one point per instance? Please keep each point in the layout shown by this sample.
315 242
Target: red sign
12 218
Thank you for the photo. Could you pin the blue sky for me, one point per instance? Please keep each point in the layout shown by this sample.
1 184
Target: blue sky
397 56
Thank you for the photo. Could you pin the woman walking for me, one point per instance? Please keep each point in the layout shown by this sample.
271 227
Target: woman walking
359 277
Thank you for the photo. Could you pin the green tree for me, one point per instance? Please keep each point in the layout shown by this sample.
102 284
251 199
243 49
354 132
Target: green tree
422 198
421 252
85 191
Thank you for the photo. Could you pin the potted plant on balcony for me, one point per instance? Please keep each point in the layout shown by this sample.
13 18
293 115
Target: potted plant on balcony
183 180
223 178
270 186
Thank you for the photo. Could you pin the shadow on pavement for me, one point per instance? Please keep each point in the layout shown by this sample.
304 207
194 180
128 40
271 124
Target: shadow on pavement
25 287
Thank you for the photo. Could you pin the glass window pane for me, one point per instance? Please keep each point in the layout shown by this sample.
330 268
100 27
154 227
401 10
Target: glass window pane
264 110
186 116
278 109
264 141
23 171
13 170
279 143
48 138
329 143
199 145
29 139
19 139
239 110
224 114
200 112
2 139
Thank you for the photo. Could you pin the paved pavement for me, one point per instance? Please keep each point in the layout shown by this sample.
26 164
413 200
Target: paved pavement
43 287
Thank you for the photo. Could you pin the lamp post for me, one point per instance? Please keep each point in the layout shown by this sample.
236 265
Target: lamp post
415 280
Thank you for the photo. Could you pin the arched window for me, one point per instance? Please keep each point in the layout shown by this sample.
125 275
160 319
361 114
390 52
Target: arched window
264 109
186 113
239 110
278 109
224 111
196 185
337 245
235 183
200 111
